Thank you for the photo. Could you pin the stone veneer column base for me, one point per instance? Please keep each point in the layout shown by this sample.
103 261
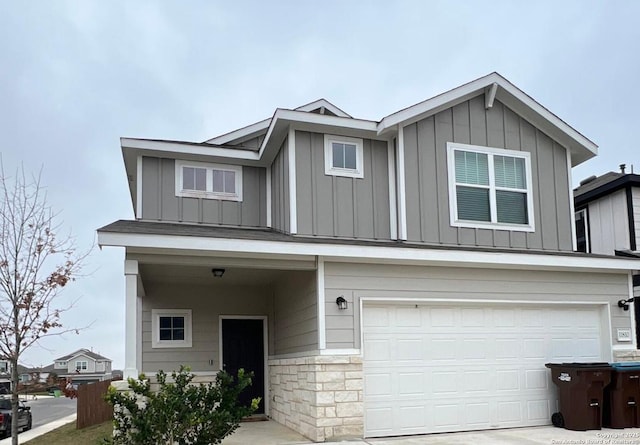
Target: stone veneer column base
320 397
626 356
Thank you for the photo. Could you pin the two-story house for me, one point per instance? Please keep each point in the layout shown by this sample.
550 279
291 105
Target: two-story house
5 376
608 221
83 366
402 276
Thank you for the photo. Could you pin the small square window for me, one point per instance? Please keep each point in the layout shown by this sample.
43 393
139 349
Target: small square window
171 328
343 156
194 179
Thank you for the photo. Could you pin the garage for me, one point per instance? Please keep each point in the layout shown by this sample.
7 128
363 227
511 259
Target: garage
442 367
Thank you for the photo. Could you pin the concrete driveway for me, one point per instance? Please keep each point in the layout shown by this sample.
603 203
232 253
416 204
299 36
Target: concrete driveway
272 433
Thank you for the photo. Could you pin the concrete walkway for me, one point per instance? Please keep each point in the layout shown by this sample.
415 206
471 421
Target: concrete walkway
272 433
39 431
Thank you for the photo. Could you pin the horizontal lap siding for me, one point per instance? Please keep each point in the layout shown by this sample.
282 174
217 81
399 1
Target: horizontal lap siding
159 200
337 206
207 304
296 313
427 186
354 281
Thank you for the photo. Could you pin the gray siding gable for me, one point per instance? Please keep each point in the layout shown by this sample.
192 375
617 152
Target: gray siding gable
427 187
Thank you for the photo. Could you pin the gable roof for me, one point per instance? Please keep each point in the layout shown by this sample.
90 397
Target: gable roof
604 185
261 127
495 86
83 351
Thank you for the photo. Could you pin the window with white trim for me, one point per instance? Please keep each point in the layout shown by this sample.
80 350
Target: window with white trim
81 365
582 231
490 188
208 181
343 156
171 328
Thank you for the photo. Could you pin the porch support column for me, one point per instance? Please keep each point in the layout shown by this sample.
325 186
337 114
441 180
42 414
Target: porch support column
133 321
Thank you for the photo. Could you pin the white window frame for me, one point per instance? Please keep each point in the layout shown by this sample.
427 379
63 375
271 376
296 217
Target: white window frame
493 224
330 170
80 363
586 228
155 328
209 193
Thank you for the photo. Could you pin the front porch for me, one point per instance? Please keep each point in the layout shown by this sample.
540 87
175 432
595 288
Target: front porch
261 315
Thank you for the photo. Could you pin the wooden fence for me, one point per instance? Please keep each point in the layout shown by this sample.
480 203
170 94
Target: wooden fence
92 408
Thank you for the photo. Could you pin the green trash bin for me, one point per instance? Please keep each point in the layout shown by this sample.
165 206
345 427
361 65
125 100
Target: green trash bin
57 393
622 397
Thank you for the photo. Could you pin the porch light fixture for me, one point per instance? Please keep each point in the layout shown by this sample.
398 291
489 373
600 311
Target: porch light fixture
341 302
624 304
217 272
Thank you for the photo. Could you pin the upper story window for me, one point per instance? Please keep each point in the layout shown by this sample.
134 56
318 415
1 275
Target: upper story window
208 181
171 328
343 156
4 367
81 365
490 188
582 231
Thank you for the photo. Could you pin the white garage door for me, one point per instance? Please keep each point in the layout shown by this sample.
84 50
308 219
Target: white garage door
437 368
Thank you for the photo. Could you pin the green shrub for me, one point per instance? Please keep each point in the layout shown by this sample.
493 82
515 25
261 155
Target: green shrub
179 412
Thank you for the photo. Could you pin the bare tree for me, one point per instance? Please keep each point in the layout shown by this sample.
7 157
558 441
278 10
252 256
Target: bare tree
35 264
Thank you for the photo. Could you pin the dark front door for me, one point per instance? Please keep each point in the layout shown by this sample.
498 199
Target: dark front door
243 347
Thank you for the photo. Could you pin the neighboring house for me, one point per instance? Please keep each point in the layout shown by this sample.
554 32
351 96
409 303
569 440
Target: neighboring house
5 376
402 276
608 220
83 366
28 376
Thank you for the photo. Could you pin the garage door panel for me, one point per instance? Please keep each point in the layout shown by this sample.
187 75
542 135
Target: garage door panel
444 368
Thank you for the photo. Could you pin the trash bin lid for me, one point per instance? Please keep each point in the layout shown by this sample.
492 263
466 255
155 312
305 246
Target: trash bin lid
578 365
626 366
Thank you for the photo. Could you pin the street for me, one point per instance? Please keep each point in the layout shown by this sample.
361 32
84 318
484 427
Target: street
48 409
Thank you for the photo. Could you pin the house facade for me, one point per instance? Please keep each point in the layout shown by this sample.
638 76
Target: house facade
5 376
402 276
83 366
608 221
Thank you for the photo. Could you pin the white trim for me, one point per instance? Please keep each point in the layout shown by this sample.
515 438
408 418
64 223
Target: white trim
240 133
494 223
464 92
371 254
265 348
181 148
393 201
268 188
632 314
330 169
490 95
156 343
322 333
209 193
293 198
320 103
139 187
572 207
344 351
131 320
402 193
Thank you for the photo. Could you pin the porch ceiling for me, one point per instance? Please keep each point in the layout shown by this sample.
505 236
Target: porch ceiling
202 275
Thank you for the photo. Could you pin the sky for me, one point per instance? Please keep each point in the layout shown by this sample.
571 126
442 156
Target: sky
75 76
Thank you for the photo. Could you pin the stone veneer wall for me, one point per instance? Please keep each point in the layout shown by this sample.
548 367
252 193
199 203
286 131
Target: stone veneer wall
319 396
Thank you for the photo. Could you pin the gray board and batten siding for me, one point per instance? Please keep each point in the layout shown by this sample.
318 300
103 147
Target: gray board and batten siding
427 188
335 206
280 190
160 203
420 284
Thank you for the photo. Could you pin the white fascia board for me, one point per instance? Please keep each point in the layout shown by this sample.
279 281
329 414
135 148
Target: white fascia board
241 132
318 119
188 149
477 86
322 103
371 254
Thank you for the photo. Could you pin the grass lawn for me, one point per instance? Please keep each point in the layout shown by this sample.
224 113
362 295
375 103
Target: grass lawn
69 435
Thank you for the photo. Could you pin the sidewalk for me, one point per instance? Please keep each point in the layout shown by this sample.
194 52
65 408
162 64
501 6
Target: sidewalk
39 431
